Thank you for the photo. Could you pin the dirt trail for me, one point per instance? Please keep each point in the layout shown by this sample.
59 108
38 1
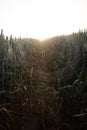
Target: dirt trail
45 77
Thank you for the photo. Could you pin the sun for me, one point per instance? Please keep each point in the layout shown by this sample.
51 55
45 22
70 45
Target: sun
42 18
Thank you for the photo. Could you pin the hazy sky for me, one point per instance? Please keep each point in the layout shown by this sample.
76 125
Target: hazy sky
42 18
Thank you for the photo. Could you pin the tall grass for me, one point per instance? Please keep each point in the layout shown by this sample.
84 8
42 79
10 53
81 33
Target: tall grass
52 89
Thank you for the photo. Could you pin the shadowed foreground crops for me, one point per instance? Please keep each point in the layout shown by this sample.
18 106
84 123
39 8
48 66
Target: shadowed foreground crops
43 84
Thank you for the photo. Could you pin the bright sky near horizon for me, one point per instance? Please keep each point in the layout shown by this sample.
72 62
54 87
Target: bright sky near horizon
42 18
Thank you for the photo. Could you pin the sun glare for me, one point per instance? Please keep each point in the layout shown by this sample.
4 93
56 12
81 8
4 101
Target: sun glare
42 18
